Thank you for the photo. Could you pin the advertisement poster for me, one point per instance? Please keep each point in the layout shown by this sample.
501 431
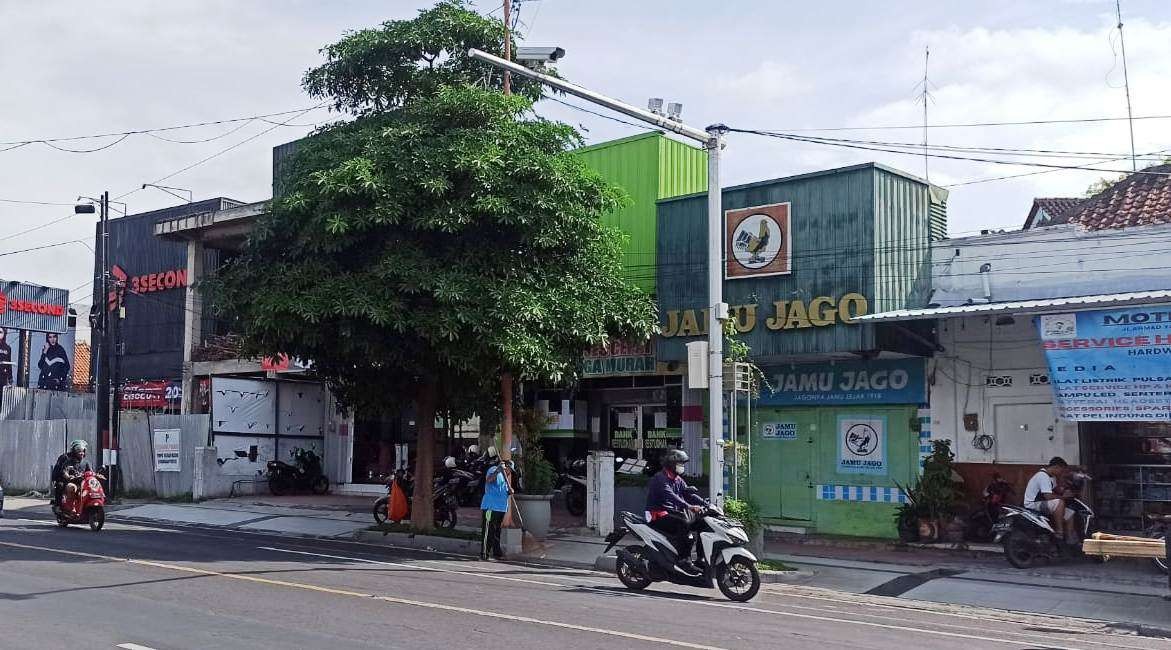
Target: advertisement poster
861 445
889 381
758 241
154 395
1110 365
25 306
779 431
51 360
9 355
166 450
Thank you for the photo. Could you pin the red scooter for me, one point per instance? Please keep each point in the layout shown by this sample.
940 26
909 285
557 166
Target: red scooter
87 505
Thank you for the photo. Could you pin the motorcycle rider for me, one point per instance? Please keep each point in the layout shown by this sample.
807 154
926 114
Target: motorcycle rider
69 465
667 505
1043 496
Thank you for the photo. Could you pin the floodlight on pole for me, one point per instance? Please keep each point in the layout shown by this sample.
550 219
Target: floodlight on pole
713 140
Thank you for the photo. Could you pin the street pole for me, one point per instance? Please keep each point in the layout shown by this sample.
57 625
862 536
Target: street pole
712 139
507 45
116 382
506 378
103 367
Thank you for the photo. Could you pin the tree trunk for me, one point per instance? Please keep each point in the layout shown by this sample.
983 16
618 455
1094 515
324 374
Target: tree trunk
506 424
422 511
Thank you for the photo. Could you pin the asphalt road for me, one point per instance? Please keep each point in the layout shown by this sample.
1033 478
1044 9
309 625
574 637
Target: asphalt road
137 587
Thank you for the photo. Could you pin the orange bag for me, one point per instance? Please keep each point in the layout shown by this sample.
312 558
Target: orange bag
398 508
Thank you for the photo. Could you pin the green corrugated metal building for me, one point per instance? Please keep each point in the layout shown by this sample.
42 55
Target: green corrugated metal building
649 167
840 424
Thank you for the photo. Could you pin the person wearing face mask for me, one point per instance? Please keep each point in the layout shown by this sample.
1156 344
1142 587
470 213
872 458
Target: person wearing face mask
668 505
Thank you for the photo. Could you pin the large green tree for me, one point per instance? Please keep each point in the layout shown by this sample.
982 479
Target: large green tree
441 238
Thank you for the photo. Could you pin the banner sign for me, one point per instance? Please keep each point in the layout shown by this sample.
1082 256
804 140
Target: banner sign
861 444
33 307
779 431
166 450
619 358
1110 365
758 241
885 381
160 394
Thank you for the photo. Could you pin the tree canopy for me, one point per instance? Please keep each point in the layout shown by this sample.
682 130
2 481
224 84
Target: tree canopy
442 237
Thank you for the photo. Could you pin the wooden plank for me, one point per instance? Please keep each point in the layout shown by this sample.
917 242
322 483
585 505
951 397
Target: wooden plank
1125 548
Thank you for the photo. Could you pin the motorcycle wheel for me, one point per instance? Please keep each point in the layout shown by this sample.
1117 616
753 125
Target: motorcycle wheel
575 502
631 576
738 580
1018 550
445 517
279 485
97 518
381 510
1159 562
320 485
62 522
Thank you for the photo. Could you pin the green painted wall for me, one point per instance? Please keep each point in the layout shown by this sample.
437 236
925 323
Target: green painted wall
785 473
648 167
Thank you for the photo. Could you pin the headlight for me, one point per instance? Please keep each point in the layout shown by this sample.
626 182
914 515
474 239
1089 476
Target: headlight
738 534
94 485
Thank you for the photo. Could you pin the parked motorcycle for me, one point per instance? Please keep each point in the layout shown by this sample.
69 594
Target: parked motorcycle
86 506
468 476
444 502
572 484
722 556
981 521
304 474
1028 537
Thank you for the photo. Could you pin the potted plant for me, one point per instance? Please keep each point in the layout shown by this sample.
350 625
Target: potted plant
538 475
933 499
907 516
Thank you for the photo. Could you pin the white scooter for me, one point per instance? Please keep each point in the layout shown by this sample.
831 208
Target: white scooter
722 556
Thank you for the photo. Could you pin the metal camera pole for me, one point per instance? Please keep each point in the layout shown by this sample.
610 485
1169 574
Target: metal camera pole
712 139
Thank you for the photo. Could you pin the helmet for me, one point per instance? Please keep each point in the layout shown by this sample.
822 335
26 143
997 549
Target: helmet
473 449
674 457
449 462
78 446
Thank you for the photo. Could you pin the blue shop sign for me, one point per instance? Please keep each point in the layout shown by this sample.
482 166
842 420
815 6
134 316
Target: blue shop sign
886 381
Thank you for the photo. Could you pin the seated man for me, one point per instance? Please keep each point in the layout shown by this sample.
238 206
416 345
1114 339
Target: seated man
667 503
68 465
1042 496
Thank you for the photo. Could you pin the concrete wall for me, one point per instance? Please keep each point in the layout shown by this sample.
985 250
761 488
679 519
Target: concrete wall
136 456
998 373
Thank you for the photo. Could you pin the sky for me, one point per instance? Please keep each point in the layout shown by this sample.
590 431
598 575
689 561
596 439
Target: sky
77 68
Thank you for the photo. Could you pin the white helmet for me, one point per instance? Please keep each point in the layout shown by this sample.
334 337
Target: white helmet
449 462
473 449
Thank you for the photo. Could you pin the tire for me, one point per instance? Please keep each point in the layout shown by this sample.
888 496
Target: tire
575 501
633 578
381 508
445 517
62 522
96 516
320 485
1159 562
1019 549
279 485
738 580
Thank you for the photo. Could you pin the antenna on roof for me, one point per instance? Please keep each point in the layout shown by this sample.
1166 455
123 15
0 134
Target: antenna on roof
925 97
1126 83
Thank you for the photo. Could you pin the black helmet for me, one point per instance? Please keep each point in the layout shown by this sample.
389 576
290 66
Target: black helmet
674 457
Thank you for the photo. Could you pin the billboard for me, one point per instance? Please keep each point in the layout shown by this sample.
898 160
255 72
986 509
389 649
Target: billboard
758 241
9 357
33 307
51 360
1110 365
880 381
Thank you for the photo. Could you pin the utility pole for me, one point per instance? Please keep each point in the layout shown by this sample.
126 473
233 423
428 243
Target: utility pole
103 339
506 378
507 45
1126 83
713 140
116 358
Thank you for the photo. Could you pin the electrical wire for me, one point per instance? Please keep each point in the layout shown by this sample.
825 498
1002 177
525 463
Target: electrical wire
963 125
38 248
96 149
35 228
24 202
216 137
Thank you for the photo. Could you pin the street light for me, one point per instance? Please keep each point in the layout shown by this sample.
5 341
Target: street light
167 189
712 139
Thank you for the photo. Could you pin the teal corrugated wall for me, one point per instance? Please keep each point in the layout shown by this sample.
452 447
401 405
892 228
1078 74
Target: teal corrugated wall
902 229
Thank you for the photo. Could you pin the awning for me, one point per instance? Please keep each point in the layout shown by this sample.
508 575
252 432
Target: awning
1047 306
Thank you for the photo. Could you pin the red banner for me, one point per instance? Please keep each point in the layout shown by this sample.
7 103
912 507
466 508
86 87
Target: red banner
151 394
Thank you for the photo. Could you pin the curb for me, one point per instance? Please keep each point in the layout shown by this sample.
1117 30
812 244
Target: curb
423 542
1142 630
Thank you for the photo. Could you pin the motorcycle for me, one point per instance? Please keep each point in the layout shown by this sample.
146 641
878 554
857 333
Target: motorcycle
572 484
1028 536
304 474
86 506
722 556
444 502
981 522
1158 530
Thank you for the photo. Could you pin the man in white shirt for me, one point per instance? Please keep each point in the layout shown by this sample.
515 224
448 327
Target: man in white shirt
1043 496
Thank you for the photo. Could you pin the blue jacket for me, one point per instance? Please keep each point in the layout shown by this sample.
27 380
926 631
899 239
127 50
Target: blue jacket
665 493
495 490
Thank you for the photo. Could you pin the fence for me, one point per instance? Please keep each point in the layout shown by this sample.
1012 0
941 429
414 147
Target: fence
136 457
37 404
29 448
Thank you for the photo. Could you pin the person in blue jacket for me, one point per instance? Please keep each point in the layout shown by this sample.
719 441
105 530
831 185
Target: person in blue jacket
494 505
668 504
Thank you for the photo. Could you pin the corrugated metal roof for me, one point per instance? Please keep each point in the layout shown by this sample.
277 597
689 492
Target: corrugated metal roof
1076 303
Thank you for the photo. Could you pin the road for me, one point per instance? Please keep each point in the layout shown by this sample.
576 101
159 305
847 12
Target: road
161 588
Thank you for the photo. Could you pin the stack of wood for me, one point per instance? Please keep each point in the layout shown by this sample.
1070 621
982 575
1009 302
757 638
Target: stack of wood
1108 545
218 348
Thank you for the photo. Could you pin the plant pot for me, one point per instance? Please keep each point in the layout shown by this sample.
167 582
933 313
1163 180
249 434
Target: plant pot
535 513
908 530
928 530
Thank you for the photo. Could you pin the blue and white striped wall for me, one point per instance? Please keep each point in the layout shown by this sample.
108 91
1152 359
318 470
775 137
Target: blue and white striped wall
860 493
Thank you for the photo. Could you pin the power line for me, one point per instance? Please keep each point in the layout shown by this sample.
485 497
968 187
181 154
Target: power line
35 228
38 248
964 125
583 109
24 202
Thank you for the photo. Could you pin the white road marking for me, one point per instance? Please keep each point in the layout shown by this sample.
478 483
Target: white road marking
745 608
357 594
132 646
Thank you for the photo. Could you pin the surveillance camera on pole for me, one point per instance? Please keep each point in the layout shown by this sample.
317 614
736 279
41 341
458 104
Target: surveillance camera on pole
538 56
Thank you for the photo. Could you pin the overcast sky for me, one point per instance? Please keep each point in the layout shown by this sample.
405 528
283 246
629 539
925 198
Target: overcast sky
74 68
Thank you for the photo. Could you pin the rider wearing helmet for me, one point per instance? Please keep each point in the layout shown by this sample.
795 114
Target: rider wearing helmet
667 503
68 466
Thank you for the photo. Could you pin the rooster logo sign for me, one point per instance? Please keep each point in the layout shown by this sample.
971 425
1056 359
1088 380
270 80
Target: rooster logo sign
756 245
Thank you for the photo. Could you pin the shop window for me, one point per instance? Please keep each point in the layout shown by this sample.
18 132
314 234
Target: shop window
998 381
1039 379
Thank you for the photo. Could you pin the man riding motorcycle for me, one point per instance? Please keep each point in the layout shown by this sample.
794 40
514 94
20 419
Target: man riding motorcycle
69 466
667 505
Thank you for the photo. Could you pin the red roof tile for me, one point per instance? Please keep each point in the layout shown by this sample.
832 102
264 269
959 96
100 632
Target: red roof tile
1141 199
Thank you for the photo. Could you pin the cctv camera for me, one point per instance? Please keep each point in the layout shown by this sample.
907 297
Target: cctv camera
539 54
